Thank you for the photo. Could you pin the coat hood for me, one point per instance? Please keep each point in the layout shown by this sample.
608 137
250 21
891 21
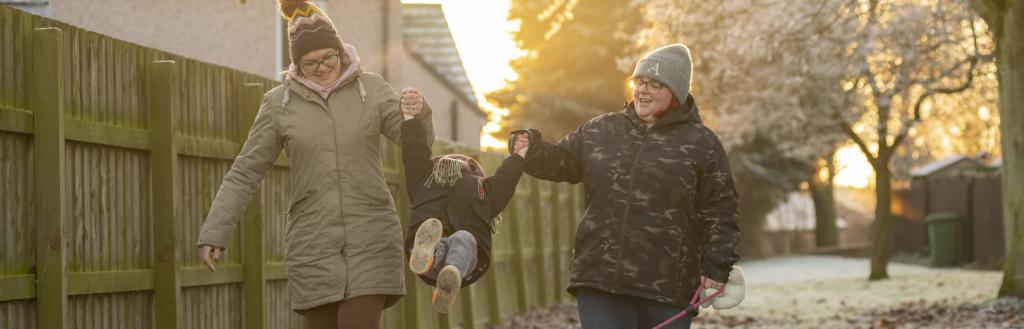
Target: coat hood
350 72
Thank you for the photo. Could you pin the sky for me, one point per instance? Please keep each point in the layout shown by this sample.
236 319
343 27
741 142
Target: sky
480 29
481 32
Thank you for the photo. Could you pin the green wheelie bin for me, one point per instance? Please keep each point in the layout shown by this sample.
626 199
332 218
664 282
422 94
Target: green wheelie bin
942 237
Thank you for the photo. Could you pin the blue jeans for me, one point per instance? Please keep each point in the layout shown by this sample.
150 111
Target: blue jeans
458 249
603 310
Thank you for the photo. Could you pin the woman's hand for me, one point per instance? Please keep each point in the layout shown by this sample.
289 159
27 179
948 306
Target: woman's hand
210 255
521 144
412 103
708 283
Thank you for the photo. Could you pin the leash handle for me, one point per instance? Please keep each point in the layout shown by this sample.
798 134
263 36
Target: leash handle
694 303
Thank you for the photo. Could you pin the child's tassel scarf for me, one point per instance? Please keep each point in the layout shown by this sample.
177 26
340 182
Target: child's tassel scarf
446 173
495 224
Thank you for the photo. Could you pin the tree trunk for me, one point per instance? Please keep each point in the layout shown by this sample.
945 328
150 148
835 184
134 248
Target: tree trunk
1010 51
883 223
826 234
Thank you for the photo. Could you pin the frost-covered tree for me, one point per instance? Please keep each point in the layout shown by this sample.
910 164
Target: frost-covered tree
900 53
769 82
568 74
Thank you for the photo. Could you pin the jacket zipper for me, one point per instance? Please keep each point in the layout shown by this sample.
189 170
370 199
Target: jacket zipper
334 139
337 171
629 203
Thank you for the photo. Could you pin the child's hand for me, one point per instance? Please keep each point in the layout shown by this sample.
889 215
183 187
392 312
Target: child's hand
412 103
521 144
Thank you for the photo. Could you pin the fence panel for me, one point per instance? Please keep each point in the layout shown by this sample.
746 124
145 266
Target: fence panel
16 200
987 217
908 212
951 194
976 198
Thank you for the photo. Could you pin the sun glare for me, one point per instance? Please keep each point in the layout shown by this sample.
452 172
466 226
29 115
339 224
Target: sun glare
481 33
853 168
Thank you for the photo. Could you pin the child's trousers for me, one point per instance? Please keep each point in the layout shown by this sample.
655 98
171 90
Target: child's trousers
458 249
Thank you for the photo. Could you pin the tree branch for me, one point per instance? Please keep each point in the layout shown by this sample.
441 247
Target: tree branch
973 63
992 12
848 129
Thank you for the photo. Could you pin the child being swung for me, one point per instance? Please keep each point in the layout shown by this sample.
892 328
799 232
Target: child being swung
455 209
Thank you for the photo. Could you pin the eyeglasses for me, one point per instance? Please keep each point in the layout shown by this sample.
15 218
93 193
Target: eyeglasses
652 86
309 67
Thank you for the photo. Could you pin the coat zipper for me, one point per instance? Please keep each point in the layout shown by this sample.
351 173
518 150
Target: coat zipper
337 171
629 203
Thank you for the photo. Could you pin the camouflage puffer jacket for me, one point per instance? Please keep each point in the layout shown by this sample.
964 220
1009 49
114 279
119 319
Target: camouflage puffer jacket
661 208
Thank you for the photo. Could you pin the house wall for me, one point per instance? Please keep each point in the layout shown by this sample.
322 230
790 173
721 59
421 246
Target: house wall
441 99
243 36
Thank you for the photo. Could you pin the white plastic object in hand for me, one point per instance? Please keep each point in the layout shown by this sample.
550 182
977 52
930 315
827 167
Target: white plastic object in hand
735 291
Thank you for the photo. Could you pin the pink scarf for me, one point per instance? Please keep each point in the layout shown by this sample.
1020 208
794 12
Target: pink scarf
325 91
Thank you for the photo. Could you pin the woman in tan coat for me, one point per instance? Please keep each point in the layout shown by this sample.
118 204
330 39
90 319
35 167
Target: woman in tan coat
344 257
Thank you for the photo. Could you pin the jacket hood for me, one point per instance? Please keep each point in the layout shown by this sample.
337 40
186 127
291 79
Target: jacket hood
293 75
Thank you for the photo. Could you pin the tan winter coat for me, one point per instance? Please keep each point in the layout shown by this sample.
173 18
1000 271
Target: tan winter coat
343 237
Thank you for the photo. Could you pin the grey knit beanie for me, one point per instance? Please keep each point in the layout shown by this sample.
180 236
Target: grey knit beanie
670 65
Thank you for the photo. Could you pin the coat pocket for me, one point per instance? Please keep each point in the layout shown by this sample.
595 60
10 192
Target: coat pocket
376 190
301 204
314 274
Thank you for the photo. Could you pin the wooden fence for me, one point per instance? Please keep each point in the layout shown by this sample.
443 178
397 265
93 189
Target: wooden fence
110 156
975 198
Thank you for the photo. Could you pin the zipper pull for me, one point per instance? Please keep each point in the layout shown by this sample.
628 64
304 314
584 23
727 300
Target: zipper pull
362 90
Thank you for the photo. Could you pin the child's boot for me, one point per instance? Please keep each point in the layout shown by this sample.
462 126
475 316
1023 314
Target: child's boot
448 283
428 234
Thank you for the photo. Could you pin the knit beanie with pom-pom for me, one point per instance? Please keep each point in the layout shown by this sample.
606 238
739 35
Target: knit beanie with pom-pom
309 28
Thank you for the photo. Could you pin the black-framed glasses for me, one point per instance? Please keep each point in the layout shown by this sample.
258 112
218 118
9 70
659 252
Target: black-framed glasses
312 66
653 86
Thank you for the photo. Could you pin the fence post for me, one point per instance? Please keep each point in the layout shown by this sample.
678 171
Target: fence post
571 222
493 301
490 280
162 90
558 208
254 274
410 317
50 184
468 316
518 256
540 257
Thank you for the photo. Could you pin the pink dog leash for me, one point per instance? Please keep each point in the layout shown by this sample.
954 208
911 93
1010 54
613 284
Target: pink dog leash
694 303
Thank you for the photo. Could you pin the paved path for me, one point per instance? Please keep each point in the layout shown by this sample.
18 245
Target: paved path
829 291
821 292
